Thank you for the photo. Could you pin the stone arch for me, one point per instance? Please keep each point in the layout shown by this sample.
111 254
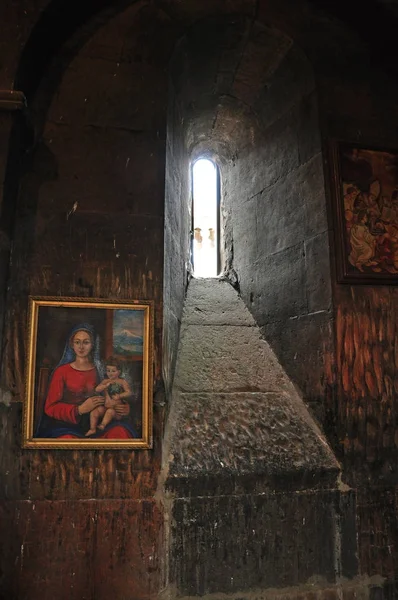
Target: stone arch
59 25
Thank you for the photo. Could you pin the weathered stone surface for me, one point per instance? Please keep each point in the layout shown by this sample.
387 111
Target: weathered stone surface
318 285
274 287
237 409
308 131
378 539
215 302
280 230
244 433
246 224
362 588
72 475
176 238
227 358
277 155
91 549
282 215
311 338
102 90
264 51
232 544
291 81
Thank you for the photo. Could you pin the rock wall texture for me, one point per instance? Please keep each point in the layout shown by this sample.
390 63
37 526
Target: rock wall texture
102 108
238 410
249 476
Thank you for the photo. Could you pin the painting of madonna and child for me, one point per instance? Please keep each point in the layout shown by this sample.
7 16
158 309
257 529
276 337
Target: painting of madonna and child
368 211
89 374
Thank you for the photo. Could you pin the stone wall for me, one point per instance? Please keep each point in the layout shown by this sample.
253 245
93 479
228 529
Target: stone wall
89 222
176 236
85 171
275 193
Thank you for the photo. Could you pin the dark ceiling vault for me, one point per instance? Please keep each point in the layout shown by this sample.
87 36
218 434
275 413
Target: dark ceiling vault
375 21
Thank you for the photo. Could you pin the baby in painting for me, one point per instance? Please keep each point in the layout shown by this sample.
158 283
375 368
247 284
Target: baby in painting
116 390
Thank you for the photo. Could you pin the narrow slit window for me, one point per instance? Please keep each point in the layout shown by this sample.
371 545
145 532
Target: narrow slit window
205 217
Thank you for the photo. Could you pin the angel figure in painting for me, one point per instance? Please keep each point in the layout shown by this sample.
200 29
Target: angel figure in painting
72 395
363 244
350 197
116 391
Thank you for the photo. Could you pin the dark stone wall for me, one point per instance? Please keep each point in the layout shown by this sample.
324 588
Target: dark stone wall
89 524
176 235
275 195
272 548
251 466
278 226
89 222
362 409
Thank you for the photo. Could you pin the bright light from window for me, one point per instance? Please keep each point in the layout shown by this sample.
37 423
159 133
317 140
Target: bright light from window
205 242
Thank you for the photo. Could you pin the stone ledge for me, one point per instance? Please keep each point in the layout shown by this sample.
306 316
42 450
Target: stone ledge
231 543
241 434
11 100
236 419
360 588
215 302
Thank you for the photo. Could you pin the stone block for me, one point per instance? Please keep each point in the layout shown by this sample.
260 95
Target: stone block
292 80
308 131
227 358
281 216
175 272
234 412
247 231
91 173
227 545
312 190
304 346
318 276
268 435
170 337
262 166
280 149
277 283
347 512
214 302
63 549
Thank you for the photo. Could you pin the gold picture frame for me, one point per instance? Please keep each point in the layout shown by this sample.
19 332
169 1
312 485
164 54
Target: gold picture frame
89 374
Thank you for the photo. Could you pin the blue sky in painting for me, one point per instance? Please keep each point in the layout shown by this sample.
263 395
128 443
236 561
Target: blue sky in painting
128 328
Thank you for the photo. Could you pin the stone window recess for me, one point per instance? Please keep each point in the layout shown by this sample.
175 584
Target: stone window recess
205 218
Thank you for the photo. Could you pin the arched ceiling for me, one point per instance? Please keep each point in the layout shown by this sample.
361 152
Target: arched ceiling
218 84
375 22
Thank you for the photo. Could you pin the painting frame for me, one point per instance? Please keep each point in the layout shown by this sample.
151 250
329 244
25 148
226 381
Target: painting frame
48 313
362 261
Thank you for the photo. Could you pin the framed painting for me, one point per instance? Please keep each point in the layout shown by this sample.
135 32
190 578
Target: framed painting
365 182
89 374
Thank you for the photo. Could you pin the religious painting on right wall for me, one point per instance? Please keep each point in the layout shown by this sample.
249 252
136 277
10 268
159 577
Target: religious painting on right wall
365 184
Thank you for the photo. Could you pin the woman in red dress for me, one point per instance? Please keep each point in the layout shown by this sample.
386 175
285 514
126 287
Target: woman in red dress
71 394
